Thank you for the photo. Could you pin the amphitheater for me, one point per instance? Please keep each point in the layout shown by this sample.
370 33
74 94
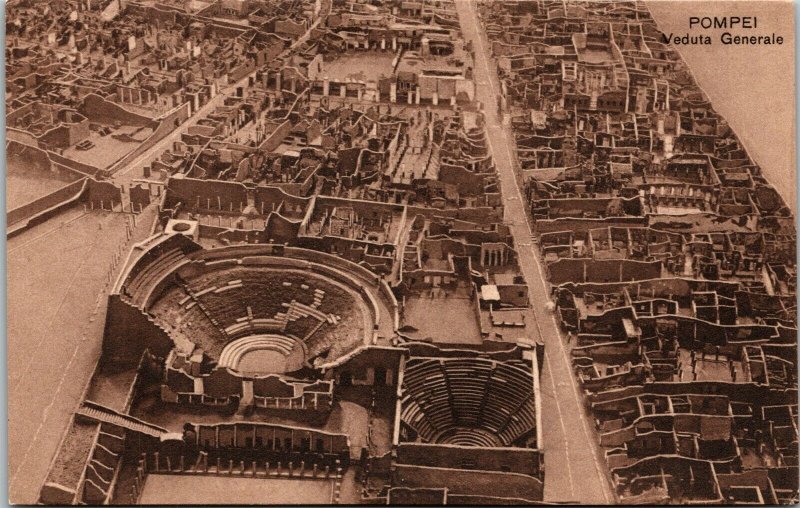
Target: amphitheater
256 310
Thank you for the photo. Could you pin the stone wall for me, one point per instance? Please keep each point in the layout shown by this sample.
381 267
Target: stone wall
517 460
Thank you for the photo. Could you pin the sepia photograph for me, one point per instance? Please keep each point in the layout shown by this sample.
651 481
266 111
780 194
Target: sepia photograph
401 252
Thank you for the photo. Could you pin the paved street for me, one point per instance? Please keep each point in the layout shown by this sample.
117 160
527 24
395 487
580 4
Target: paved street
60 298
134 170
574 469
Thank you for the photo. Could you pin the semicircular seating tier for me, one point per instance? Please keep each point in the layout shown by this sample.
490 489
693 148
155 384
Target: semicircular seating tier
263 354
242 299
469 401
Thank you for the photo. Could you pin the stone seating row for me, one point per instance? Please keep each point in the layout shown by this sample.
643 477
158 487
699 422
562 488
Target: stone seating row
138 287
233 353
443 394
465 437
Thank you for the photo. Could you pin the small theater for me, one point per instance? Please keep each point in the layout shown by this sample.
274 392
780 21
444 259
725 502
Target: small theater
280 373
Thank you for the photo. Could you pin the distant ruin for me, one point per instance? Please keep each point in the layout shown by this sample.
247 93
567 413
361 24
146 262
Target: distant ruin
360 265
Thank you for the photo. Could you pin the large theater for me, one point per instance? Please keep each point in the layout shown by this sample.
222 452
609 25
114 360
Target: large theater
285 364
388 252
232 322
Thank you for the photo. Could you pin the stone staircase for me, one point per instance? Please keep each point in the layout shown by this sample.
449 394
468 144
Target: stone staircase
410 257
98 413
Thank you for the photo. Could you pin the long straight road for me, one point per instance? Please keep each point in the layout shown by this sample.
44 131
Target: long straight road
135 169
574 468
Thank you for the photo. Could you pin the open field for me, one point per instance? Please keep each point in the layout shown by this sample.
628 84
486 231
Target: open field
56 313
25 182
183 490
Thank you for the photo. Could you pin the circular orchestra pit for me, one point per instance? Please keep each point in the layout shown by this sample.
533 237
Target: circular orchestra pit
255 314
